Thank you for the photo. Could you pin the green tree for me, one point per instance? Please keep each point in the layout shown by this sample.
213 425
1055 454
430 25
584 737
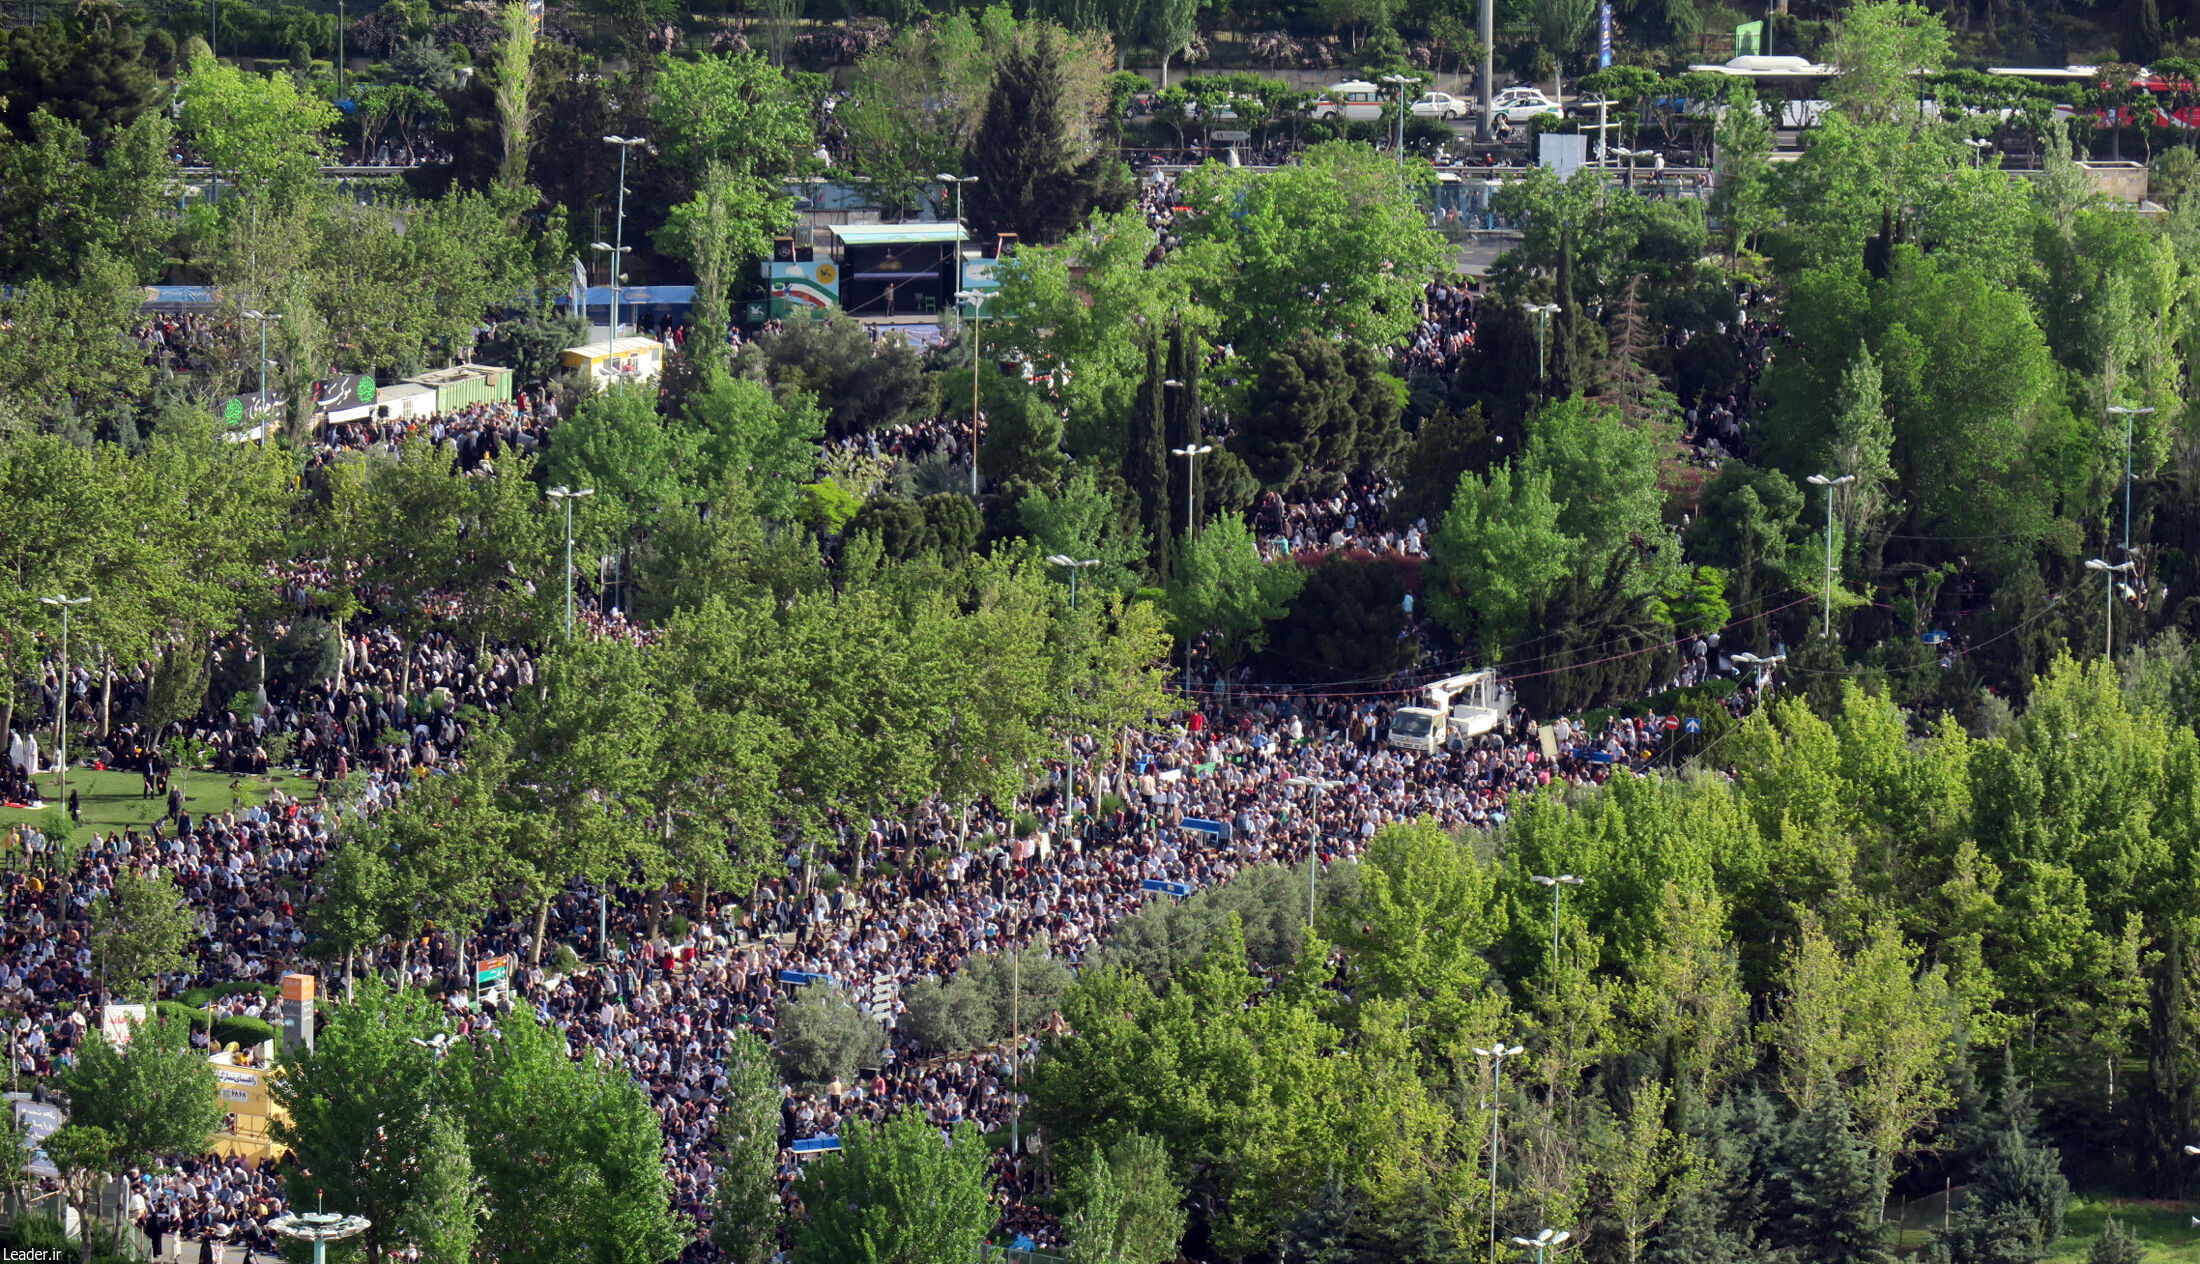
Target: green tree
2115 1244
1497 556
569 1151
260 133
447 1208
897 1193
141 929
152 1098
1036 167
823 1038
738 111
769 442
1881 46
1124 1205
744 1205
1335 244
85 66
1826 1191
359 1108
1222 590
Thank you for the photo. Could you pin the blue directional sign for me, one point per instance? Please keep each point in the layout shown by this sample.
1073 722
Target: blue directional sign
1178 889
816 1145
1691 725
803 976
1205 826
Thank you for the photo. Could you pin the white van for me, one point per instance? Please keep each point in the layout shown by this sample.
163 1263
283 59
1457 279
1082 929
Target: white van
1354 99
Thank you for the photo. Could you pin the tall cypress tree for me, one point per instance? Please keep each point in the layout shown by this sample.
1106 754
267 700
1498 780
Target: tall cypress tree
1146 456
2165 1120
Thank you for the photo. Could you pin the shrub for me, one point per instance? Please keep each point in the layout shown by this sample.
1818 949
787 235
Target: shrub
676 927
245 1031
823 1037
178 1012
564 960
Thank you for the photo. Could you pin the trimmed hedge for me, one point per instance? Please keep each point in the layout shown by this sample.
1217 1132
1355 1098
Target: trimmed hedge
246 1031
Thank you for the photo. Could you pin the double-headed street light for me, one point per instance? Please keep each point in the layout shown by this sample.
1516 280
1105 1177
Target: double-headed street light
1547 1240
1314 840
976 299
1497 1054
618 246
1556 885
1400 82
2109 573
61 705
1542 313
567 496
1821 480
1074 566
958 182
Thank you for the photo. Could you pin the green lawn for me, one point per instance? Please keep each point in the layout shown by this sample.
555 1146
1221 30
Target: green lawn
112 801
2163 1225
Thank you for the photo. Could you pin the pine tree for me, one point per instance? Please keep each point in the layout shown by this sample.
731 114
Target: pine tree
744 1216
448 1204
1826 1191
1032 176
2116 1244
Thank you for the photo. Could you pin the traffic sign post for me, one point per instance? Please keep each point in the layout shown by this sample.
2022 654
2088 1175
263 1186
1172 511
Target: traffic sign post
492 979
1178 889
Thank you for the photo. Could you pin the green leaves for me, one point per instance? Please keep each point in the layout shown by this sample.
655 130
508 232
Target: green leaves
262 133
897 1193
140 930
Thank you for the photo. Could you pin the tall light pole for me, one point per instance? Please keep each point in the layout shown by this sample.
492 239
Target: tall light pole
1556 885
1548 1240
1314 841
618 255
1486 86
2108 575
618 236
1401 81
61 704
1497 1054
2127 414
976 299
1542 313
263 318
1191 452
567 496
958 182
1074 566
1820 480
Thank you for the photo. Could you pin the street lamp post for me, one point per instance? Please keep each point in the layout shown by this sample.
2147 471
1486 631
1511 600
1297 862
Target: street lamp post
61 704
958 182
320 1228
1547 1240
1191 452
567 496
976 299
2127 414
1314 840
1401 81
1497 1054
1556 885
1542 313
1820 480
2108 574
1074 566
263 318
618 237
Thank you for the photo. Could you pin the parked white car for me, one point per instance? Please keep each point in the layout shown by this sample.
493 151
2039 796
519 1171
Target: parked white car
1518 105
1440 105
1354 99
